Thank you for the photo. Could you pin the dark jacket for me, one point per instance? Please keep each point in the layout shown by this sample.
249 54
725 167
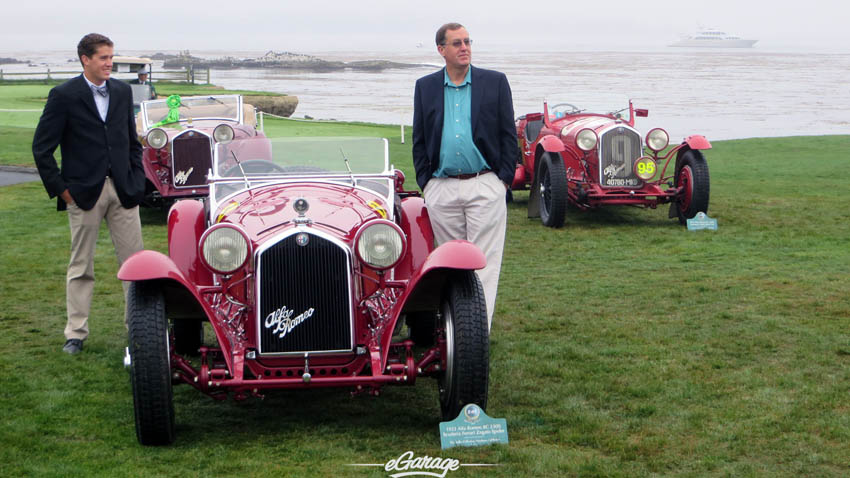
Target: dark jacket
492 115
89 146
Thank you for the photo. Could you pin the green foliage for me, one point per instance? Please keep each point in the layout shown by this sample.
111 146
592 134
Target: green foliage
623 345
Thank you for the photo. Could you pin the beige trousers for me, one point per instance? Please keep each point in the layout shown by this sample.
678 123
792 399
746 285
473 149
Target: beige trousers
472 209
125 228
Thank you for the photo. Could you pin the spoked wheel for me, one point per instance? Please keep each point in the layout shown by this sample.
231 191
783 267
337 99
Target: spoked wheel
465 343
553 191
692 177
150 364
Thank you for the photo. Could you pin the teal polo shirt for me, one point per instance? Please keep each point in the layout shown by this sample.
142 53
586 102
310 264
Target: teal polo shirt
458 154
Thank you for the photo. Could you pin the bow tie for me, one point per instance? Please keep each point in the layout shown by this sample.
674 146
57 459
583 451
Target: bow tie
101 90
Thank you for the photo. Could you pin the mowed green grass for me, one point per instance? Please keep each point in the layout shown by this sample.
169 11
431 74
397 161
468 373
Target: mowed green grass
623 345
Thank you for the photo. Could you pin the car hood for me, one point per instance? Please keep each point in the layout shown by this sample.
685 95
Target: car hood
336 209
592 122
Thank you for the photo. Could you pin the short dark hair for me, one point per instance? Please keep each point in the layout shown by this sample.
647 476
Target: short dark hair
441 33
90 43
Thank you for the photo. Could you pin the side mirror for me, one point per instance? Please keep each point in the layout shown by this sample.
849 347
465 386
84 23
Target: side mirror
641 113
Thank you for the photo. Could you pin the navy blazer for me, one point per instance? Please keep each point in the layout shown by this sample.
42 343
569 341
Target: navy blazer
492 115
89 146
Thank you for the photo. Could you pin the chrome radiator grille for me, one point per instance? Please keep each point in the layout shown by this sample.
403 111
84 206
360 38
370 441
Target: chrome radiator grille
619 148
304 296
191 158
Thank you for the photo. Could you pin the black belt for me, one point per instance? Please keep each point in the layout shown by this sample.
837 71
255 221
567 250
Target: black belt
470 175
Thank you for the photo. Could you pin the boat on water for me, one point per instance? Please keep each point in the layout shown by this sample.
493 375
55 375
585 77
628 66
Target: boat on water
713 38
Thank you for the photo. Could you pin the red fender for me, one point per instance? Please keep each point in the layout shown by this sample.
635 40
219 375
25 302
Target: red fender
153 265
552 144
417 225
186 225
150 265
426 285
697 141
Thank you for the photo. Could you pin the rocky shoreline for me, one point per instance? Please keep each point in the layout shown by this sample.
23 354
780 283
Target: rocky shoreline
280 60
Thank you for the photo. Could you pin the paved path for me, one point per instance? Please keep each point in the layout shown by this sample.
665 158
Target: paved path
16 174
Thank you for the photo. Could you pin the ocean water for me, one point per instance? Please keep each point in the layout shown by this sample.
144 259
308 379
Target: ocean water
719 93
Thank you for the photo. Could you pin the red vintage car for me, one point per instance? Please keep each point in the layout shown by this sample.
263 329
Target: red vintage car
179 135
306 266
589 160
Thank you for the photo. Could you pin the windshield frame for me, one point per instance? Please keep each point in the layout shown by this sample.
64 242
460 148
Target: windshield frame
149 123
250 182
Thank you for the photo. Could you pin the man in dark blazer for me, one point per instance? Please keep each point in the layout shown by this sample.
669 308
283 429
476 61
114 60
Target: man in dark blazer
465 151
90 118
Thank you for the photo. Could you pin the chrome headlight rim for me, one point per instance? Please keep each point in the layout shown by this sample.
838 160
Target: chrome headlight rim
223 134
211 256
365 234
586 139
157 138
653 136
645 175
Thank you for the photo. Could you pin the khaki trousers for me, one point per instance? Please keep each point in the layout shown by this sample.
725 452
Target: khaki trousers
472 209
125 228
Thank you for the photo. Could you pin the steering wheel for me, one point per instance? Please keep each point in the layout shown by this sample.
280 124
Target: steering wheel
255 166
569 109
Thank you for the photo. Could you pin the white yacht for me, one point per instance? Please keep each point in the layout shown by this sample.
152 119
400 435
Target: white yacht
713 38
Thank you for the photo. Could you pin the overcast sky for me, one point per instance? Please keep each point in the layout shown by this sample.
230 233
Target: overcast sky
383 25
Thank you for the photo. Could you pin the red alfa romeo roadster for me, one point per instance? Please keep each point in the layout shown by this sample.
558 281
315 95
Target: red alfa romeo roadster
589 160
307 265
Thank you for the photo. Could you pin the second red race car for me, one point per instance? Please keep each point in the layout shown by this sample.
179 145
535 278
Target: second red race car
589 160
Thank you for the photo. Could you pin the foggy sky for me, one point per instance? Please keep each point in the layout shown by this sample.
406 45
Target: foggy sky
382 25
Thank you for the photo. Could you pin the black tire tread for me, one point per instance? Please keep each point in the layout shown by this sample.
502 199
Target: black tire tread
472 344
701 184
150 370
554 168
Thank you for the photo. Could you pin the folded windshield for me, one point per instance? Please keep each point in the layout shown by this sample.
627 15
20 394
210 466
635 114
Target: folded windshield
159 112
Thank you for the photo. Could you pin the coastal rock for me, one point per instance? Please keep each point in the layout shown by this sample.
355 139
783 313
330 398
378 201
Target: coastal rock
276 105
11 61
281 60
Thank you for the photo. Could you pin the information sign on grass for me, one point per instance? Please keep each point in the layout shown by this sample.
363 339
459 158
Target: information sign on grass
473 427
702 221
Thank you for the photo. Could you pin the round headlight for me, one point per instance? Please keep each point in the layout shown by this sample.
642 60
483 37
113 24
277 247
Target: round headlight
586 139
224 248
157 138
657 139
223 133
380 244
645 168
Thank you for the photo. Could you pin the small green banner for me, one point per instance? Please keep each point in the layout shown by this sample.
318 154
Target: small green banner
473 427
702 221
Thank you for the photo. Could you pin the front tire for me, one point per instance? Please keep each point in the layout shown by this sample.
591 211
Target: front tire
692 177
553 191
465 343
150 371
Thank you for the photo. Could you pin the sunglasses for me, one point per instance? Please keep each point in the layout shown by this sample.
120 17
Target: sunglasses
458 43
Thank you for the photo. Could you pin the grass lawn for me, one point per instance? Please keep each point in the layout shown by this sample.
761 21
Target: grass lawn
623 345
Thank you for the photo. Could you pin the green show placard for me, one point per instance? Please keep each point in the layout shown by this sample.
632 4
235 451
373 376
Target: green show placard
702 221
473 427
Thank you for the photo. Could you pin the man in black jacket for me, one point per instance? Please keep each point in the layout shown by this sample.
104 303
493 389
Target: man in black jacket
90 118
465 151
